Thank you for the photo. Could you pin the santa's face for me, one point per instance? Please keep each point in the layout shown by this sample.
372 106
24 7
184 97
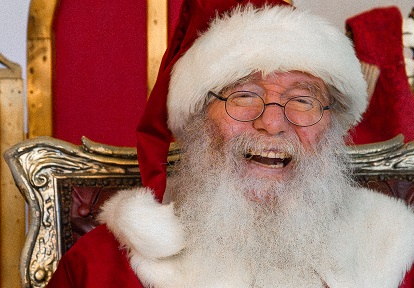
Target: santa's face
234 217
271 160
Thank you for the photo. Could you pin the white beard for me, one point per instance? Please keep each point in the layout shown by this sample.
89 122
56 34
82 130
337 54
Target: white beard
278 241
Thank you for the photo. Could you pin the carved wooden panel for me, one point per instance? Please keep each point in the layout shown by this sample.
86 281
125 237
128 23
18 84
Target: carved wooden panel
12 206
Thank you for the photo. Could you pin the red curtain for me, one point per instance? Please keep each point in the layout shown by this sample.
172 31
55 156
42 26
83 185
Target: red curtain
100 70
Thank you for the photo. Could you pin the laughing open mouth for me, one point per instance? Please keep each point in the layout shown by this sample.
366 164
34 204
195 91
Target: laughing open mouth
270 158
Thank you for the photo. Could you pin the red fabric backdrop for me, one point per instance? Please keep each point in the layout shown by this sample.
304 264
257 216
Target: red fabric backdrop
100 69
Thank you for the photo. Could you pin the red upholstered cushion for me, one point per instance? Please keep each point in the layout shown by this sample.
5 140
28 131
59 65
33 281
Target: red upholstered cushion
86 203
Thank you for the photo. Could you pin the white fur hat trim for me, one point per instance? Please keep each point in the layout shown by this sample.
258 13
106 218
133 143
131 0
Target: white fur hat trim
278 38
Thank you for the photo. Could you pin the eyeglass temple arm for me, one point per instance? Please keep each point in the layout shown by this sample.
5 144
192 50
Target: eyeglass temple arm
330 106
217 96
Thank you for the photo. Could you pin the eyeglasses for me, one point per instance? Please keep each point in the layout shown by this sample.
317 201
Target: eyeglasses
246 106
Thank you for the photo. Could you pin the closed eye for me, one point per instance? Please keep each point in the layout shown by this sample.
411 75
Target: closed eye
302 103
244 99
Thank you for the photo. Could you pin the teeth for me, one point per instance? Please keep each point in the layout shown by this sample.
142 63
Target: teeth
270 154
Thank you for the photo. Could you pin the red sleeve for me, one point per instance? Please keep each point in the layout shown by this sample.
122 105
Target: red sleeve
408 281
95 261
61 277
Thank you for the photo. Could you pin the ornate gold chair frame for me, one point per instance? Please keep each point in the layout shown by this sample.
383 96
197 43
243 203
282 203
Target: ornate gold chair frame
47 171
387 167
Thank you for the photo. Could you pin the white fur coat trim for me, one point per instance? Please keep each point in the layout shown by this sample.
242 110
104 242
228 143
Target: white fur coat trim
373 248
375 244
131 215
271 39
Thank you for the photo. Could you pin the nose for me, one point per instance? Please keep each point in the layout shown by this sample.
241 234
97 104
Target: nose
272 121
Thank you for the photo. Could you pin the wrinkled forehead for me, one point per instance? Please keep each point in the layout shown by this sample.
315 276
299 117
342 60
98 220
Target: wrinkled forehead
279 81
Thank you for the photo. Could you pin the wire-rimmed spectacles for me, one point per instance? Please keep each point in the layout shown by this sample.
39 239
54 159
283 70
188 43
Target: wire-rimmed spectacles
246 106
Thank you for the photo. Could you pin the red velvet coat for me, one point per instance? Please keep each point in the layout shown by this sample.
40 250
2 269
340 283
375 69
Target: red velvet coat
95 261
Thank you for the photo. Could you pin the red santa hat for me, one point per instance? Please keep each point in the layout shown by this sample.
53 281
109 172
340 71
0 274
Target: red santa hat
218 42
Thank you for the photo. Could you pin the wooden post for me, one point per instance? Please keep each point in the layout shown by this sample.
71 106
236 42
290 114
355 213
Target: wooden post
39 67
157 14
12 207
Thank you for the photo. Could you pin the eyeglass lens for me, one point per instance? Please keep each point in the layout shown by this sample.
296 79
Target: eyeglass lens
300 110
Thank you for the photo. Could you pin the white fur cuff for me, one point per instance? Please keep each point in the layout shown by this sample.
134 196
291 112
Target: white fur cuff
139 222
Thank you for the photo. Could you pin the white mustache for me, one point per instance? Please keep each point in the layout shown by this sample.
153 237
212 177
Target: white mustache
248 144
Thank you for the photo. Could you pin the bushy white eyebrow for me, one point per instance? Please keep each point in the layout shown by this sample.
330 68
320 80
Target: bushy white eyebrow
312 86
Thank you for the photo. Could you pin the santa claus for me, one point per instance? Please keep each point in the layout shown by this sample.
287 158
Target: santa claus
259 95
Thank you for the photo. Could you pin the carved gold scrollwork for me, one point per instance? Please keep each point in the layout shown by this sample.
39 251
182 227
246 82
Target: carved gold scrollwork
36 164
385 166
40 163
391 155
